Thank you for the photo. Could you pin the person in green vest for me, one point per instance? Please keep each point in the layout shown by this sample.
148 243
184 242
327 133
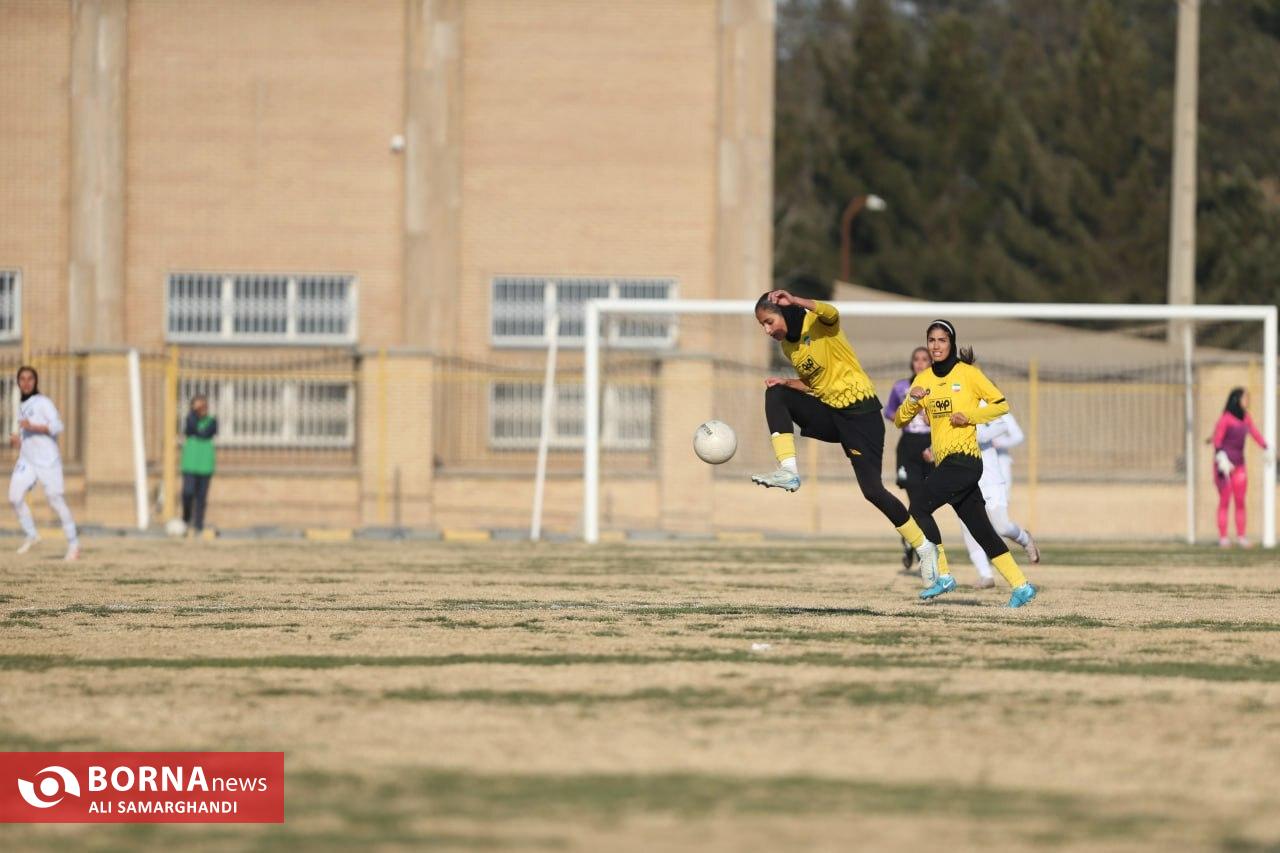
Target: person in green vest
197 462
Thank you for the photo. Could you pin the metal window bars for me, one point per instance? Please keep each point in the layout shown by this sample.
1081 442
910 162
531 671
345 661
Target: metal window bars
258 308
522 308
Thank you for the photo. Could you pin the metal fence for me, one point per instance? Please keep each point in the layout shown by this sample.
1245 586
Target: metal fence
312 411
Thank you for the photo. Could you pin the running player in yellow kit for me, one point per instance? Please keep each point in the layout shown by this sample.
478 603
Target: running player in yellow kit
833 400
949 393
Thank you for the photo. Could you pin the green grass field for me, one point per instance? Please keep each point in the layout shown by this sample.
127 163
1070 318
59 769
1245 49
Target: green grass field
558 697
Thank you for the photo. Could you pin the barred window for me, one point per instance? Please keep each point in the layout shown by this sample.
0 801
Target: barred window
261 308
277 412
522 308
515 416
10 305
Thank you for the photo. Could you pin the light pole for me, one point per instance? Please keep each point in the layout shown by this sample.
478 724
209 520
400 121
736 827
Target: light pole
1182 228
870 202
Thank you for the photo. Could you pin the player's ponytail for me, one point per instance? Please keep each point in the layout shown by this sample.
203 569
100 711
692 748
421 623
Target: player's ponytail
966 355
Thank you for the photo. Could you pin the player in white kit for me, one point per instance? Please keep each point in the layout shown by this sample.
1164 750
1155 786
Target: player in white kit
38 462
1001 432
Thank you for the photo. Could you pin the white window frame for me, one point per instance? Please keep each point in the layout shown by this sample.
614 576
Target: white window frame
226 333
222 403
611 435
14 306
612 332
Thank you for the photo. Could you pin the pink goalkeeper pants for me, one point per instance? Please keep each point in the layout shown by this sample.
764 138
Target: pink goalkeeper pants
1234 485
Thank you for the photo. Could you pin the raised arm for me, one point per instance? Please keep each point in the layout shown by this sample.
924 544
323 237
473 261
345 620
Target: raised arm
827 314
910 406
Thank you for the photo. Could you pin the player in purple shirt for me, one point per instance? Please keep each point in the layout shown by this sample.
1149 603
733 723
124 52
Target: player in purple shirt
1229 473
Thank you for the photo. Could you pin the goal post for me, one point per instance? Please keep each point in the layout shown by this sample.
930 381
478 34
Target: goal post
601 311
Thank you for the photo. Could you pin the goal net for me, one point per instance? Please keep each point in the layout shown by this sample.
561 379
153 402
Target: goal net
1116 420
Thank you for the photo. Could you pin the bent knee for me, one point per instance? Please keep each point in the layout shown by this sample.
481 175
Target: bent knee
773 392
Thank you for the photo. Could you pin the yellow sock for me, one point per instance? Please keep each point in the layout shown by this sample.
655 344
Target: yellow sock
1005 565
911 532
784 445
943 568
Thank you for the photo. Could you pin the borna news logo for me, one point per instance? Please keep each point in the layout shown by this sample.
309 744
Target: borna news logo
141 787
60 783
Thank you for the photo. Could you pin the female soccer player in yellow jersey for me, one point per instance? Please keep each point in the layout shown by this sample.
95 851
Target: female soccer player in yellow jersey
833 400
949 393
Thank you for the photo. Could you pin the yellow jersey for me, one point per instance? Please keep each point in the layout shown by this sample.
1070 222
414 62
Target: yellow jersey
827 363
958 391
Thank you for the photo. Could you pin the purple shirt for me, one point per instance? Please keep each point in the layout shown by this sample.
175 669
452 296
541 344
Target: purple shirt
1229 436
919 424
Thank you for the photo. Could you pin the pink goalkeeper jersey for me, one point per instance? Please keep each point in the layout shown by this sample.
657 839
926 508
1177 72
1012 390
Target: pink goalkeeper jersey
1230 433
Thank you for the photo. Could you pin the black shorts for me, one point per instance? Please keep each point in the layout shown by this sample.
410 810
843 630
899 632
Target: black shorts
954 482
859 428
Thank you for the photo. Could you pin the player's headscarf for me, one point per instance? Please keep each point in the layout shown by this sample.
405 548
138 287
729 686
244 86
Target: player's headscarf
35 388
954 354
1233 403
793 315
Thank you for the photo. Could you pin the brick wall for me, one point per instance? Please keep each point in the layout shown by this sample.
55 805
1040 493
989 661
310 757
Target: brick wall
258 139
35 46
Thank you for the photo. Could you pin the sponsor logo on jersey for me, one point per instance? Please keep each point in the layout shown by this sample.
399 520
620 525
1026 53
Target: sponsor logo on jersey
809 367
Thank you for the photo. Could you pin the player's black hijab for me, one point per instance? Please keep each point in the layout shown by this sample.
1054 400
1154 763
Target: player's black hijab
954 353
793 315
35 389
1233 403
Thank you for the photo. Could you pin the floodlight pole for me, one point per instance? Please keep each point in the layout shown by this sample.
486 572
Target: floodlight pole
1182 225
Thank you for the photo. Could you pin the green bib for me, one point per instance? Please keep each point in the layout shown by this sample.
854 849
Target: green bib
197 453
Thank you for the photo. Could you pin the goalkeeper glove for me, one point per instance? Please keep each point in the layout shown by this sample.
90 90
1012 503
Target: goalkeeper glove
1224 464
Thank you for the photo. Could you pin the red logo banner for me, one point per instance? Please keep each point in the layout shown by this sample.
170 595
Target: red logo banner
141 787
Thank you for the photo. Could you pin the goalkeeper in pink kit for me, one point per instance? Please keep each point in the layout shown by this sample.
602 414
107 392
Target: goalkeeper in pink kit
1229 473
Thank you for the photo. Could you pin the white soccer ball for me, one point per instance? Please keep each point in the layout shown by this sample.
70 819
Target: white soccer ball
714 442
175 527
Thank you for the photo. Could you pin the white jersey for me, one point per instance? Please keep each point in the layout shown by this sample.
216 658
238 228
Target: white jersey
1004 445
994 483
38 449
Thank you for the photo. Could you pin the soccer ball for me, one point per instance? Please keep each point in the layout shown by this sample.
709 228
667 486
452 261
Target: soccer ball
175 527
714 442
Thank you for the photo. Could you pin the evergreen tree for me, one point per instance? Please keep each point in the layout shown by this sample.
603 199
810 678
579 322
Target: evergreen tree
1024 146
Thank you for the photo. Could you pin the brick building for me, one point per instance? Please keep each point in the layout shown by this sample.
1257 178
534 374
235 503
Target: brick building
372 195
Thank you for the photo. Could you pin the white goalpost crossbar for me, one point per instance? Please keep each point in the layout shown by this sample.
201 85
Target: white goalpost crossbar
1266 314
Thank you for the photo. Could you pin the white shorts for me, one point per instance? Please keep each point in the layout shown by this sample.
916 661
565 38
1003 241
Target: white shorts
26 475
995 492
